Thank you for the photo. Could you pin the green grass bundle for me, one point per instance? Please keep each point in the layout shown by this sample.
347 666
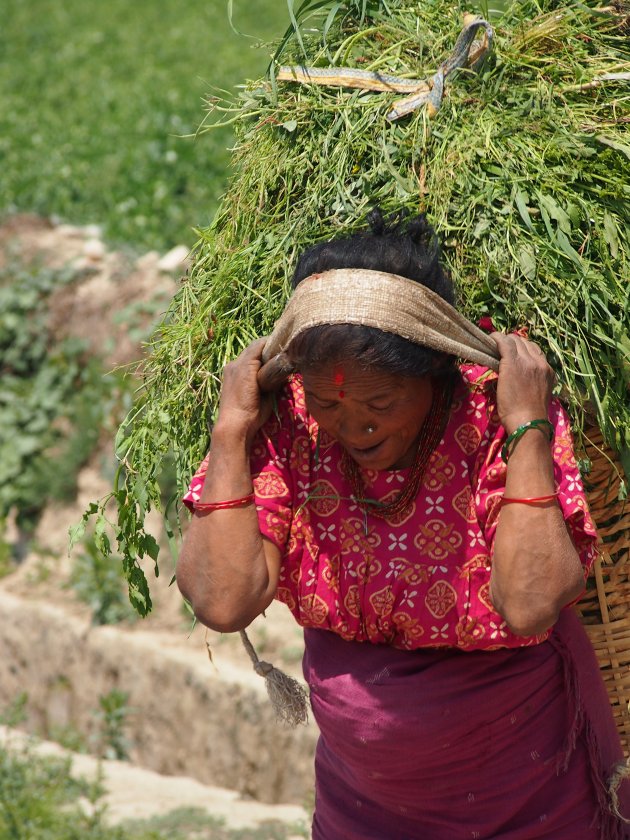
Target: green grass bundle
523 172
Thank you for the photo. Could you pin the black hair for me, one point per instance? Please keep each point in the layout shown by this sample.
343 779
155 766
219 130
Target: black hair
398 245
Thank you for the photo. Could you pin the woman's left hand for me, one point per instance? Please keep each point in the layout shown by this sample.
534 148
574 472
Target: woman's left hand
525 381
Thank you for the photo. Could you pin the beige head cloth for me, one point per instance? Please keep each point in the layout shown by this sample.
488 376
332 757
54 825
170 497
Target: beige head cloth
388 302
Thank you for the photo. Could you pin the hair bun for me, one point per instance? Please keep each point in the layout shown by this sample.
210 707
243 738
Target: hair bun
419 229
376 222
399 223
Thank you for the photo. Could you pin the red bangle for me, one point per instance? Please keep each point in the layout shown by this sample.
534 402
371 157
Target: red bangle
208 507
532 500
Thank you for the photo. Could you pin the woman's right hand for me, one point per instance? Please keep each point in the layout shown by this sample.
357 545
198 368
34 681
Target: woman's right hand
226 570
242 407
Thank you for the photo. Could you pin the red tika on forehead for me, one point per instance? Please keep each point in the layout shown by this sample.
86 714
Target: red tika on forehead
339 378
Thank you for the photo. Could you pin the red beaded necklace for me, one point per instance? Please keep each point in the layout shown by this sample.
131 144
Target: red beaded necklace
430 435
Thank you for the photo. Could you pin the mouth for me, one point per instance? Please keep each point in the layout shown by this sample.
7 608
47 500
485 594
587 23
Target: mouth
365 453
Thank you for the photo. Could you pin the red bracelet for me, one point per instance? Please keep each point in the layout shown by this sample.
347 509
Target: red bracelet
208 507
532 500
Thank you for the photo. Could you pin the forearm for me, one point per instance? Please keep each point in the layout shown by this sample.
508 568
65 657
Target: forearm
224 570
535 568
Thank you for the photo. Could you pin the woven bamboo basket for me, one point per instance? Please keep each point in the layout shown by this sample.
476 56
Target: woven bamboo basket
604 609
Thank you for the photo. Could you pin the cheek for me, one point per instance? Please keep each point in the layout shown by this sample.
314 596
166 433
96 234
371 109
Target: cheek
323 418
407 427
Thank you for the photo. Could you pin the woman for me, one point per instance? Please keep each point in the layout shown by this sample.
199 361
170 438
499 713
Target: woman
424 530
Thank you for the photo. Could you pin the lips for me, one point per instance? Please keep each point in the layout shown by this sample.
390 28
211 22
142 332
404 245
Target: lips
365 453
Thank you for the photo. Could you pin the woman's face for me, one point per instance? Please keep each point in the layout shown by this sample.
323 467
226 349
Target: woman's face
347 400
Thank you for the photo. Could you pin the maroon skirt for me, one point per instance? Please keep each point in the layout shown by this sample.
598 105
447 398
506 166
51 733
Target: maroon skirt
442 744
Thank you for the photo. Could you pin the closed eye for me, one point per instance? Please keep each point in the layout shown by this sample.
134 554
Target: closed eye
322 403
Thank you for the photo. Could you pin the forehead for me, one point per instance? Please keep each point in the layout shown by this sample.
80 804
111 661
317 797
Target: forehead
355 379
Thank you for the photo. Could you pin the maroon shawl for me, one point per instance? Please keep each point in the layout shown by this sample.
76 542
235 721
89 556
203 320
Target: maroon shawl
442 744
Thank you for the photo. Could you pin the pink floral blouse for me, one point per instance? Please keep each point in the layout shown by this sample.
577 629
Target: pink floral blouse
421 579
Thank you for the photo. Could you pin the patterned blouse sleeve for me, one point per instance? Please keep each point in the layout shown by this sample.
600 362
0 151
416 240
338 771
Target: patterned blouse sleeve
270 462
491 477
271 474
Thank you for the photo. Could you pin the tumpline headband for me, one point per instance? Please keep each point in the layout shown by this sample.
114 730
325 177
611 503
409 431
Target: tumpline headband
385 301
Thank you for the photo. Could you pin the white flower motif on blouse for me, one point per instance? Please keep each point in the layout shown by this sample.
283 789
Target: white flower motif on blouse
311 577
327 533
324 463
396 567
474 409
435 569
406 599
349 568
434 504
573 484
498 630
398 542
474 538
439 632
395 476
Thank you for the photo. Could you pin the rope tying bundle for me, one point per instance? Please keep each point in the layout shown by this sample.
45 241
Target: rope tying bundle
468 51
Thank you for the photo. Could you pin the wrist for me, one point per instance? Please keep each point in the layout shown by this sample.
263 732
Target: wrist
536 431
514 420
229 475
229 433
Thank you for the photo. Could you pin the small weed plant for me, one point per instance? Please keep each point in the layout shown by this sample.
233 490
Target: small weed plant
99 582
53 400
112 715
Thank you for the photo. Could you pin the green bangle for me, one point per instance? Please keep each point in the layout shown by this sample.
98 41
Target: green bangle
510 443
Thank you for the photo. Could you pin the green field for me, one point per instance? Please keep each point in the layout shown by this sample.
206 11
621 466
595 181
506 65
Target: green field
96 100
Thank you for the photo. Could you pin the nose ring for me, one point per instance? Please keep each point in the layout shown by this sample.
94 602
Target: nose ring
370 430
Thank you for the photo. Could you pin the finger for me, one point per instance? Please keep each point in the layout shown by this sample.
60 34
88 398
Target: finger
513 346
527 344
506 345
254 350
532 351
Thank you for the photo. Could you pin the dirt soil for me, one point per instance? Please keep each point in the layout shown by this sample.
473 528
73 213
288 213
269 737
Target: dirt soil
196 708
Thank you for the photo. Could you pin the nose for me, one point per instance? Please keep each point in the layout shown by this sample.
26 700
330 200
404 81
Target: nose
356 428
